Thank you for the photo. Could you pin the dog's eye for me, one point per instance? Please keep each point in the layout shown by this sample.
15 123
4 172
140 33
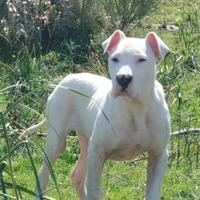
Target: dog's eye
115 60
141 60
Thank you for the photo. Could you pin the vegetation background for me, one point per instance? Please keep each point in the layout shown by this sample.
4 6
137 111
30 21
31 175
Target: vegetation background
43 41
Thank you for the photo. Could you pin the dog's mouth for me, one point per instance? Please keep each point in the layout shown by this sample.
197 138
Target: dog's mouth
124 92
121 91
124 89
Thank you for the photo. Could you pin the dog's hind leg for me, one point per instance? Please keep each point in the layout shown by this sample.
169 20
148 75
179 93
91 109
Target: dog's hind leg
55 145
78 174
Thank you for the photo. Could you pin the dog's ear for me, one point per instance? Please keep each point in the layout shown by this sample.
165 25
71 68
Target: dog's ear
158 46
112 41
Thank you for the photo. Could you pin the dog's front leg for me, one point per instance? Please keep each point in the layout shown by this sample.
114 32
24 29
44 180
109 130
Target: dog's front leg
155 173
95 162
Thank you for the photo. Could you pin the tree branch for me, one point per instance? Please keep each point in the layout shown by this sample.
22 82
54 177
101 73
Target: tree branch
186 131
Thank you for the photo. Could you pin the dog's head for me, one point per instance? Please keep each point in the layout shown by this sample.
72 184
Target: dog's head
132 63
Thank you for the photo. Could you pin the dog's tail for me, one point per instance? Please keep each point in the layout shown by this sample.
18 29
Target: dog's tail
32 129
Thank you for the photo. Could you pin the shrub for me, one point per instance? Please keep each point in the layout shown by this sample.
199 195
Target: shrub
189 36
121 14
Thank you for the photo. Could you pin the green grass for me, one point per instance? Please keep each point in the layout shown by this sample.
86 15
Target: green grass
120 180
180 75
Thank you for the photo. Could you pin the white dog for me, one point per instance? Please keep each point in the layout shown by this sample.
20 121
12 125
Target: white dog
125 116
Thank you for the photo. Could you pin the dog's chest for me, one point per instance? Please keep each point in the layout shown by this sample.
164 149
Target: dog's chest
133 135
130 143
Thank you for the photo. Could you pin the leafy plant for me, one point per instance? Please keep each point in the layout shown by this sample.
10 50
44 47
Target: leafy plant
122 13
189 36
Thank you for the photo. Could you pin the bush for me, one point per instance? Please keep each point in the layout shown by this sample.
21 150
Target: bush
121 14
189 36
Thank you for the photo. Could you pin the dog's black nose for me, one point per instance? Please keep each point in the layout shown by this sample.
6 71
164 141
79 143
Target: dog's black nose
124 80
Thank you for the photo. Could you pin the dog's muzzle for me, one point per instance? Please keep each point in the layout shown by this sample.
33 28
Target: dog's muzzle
124 80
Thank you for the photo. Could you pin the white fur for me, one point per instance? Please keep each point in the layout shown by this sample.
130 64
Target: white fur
138 117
